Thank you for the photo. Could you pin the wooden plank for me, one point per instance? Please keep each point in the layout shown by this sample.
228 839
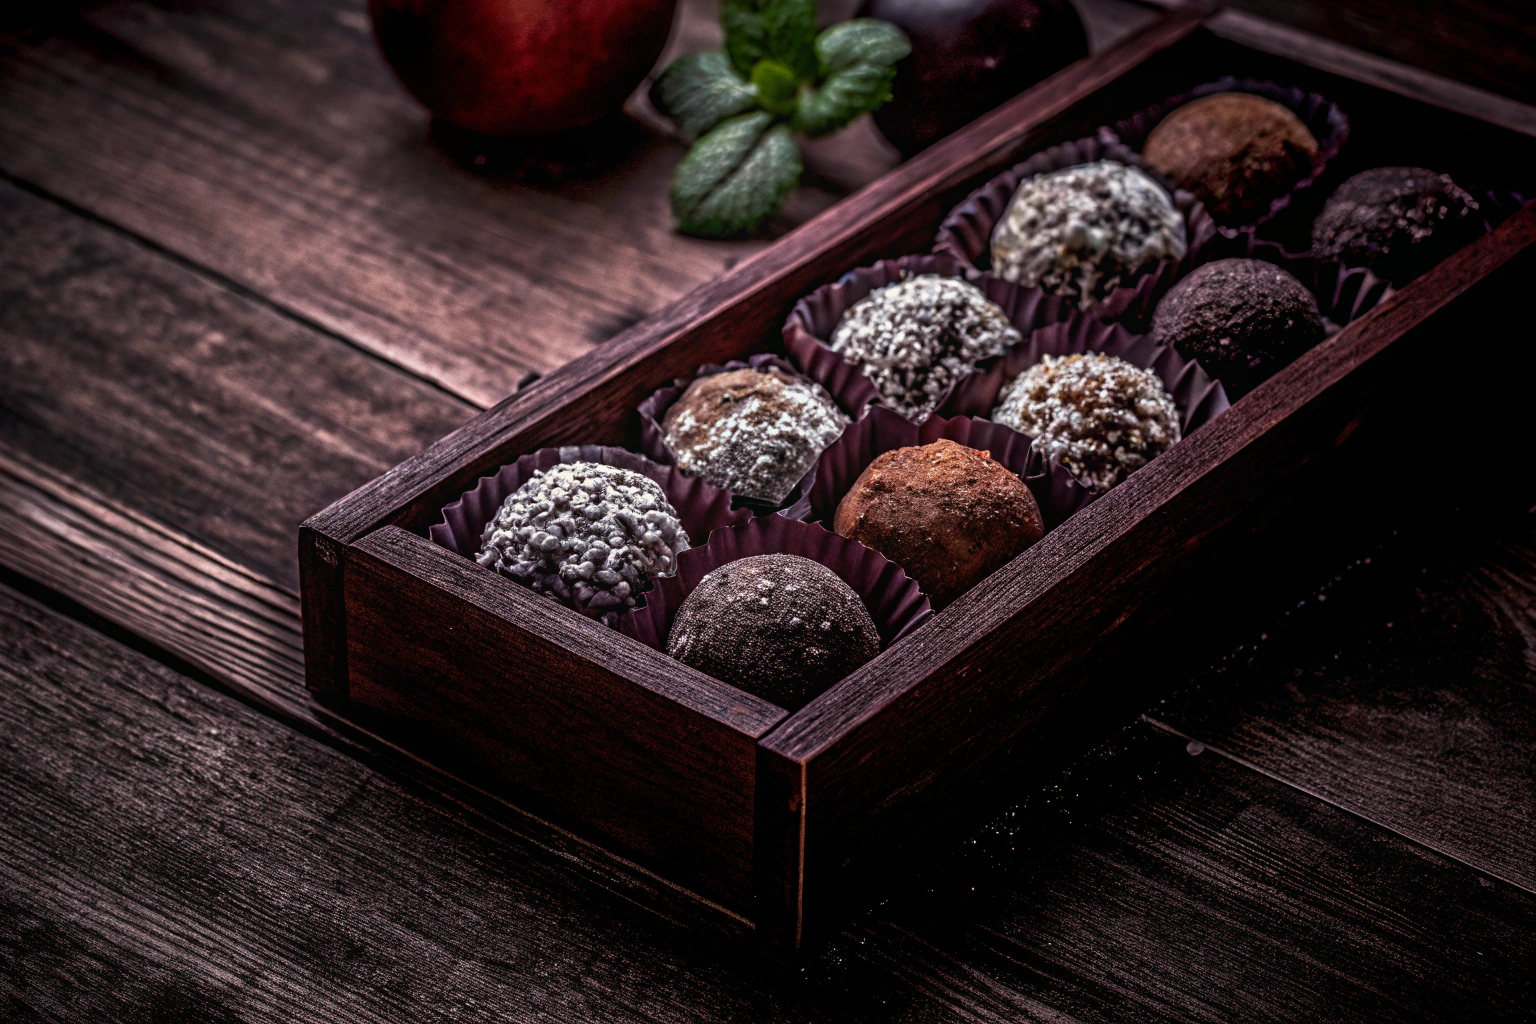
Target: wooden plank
1400 691
648 756
173 398
1154 886
904 743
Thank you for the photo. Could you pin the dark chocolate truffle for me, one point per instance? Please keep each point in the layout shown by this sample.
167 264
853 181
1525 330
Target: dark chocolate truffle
947 514
585 531
1238 152
915 338
753 432
1101 417
1241 320
1398 221
779 626
1084 231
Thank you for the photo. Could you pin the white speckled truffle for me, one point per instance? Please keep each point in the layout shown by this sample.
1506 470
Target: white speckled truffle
915 338
586 533
1098 415
1084 231
754 432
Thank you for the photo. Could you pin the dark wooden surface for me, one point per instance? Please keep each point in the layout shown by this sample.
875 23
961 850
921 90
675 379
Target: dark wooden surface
240 278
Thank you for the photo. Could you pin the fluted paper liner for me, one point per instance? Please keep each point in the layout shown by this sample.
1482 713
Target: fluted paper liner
966 233
653 439
808 331
701 507
893 599
884 430
1328 124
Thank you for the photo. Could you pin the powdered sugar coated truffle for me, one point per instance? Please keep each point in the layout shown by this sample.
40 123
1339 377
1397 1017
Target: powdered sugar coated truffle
1099 416
754 432
1084 231
915 338
586 533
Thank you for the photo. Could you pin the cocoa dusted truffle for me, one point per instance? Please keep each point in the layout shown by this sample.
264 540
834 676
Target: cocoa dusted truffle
753 432
1238 152
915 338
947 514
1241 320
1398 221
1099 416
779 626
585 533
1084 231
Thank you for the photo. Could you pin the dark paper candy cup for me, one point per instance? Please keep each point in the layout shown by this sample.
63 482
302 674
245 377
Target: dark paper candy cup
966 233
1327 123
702 507
1197 395
808 331
893 599
652 439
883 430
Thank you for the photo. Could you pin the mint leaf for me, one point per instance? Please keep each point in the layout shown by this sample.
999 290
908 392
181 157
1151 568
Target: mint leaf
781 30
735 177
700 90
858 61
776 85
860 41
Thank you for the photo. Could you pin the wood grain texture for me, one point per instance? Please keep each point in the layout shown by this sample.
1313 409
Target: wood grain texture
606 733
1403 690
1156 886
173 398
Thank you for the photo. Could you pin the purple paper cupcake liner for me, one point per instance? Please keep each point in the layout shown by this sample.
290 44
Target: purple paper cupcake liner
893 599
1328 124
1199 397
884 430
653 439
809 329
966 233
701 507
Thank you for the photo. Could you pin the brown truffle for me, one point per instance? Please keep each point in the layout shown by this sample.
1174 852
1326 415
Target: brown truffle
947 514
1236 151
780 626
753 432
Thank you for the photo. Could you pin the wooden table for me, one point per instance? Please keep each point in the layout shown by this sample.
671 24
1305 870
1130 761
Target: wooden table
240 278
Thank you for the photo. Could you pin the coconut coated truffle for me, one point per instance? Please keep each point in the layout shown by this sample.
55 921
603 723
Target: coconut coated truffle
915 338
947 514
1099 416
586 533
1398 221
1238 152
1241 320
779 626
753 432
1084 231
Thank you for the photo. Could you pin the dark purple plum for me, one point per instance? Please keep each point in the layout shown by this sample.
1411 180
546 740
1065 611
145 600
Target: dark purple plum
967 57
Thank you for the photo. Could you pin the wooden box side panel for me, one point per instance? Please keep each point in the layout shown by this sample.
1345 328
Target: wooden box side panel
895 748
514 686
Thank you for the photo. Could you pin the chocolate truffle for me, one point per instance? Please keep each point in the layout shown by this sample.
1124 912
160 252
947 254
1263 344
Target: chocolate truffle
1238 152
947 514
1084 231
1398 221
753 432
585 533
915 338
1241 320
1099 416
780 626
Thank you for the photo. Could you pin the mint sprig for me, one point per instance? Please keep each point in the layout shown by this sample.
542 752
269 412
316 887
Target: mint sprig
775 77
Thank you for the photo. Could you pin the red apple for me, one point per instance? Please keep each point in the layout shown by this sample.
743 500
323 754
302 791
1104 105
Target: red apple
521 67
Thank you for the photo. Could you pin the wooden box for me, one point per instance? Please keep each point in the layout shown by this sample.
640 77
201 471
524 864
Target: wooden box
776 816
